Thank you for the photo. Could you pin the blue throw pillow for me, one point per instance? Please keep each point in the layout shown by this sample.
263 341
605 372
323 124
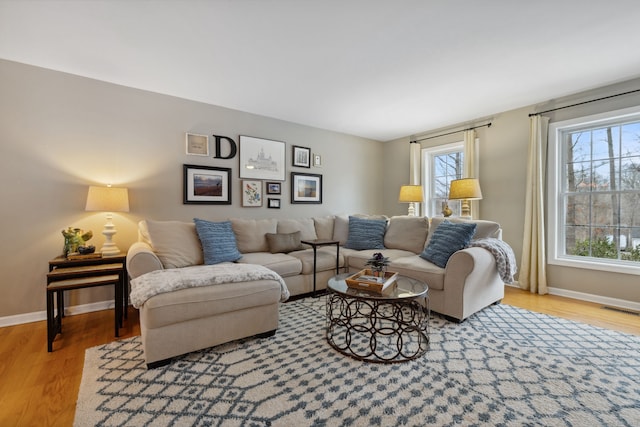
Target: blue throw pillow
446 240
218 241
366 233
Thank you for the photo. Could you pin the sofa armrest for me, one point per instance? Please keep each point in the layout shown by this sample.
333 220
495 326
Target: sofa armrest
141 259
471 276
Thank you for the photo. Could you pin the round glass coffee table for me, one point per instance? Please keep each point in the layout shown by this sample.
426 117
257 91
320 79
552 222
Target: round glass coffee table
387 327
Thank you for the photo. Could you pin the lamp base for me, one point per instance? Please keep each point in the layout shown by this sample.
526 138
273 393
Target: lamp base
465 209
109 248
412 210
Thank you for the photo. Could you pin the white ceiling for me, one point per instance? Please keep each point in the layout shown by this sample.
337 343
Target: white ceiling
373 68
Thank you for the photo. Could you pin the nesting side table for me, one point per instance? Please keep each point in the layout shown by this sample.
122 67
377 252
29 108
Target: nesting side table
69 274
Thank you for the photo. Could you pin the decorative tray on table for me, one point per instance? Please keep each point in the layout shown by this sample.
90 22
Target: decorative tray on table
366 280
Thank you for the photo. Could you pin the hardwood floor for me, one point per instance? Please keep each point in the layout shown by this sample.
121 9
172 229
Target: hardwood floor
40 388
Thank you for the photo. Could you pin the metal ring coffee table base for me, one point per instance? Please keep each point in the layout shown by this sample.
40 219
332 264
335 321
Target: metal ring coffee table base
378 330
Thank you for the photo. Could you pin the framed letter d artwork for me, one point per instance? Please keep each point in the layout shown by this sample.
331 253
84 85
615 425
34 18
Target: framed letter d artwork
207 185
306 188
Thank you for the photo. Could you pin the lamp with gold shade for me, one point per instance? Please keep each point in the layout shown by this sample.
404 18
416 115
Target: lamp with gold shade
465 189
411 194
108 199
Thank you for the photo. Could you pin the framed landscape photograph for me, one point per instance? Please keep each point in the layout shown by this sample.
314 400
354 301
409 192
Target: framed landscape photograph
251 193
274 188
262 158
207 185
301 156
274 203
197 145
306 188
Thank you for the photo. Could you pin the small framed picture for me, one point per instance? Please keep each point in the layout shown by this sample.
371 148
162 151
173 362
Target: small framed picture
301 156
197 145
273 188
207 185
317 160
273 203
251 193
306 188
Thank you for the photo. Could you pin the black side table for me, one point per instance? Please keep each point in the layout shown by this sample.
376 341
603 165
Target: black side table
315 244
68 274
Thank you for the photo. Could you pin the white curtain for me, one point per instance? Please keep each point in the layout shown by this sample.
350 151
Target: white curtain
414 166
414 171
470 168
533 271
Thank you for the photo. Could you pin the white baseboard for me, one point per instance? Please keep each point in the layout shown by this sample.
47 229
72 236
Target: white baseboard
37 316
598 299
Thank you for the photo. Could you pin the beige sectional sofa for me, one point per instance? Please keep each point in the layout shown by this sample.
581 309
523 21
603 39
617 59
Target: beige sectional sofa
171 325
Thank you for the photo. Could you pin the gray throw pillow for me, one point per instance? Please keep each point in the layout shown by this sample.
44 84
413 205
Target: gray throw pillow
283 242
447 239
218 241
366 233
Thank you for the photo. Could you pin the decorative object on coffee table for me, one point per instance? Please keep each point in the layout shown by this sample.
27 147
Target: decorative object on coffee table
411 194
108 199
378 264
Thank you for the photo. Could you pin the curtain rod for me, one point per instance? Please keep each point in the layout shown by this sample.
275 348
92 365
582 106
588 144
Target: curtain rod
585 102
450 133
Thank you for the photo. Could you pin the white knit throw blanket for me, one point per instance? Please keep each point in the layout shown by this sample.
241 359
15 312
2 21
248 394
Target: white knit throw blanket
503 254
173 279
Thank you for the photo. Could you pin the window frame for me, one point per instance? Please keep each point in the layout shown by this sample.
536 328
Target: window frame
556 249
428 154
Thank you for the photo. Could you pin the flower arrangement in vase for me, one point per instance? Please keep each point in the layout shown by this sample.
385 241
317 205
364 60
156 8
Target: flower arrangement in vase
378 264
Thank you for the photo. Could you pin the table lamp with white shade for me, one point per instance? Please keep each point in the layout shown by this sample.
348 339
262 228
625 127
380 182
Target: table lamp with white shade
108 199
411 194
465 189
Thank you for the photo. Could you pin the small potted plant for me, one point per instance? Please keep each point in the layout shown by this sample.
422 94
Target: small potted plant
378 264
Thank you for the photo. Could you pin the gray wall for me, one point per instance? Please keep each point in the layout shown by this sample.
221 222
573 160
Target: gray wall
503 162
61 133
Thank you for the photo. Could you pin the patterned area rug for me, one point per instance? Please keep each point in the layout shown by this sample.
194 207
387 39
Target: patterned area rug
503 366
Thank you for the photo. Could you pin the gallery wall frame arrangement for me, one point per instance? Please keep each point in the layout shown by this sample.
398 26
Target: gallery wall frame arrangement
273 187
197 145
301 156
262 158
207 185
251 193
306 188
273 203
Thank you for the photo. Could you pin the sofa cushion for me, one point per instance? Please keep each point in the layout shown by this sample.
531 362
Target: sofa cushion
341 229
418 268
171 308
324 227
218 241
251 233
407 232
358 259
306 227
176 243
283 242
325 260
366 233
283 264
448 238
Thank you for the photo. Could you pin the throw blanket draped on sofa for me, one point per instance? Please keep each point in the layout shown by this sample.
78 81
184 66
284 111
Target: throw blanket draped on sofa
173 279
503 253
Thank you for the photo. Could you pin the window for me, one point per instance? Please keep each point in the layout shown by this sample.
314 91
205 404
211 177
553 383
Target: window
442 165
594 192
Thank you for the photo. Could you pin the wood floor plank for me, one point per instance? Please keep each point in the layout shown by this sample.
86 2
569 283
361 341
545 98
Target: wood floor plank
40 388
